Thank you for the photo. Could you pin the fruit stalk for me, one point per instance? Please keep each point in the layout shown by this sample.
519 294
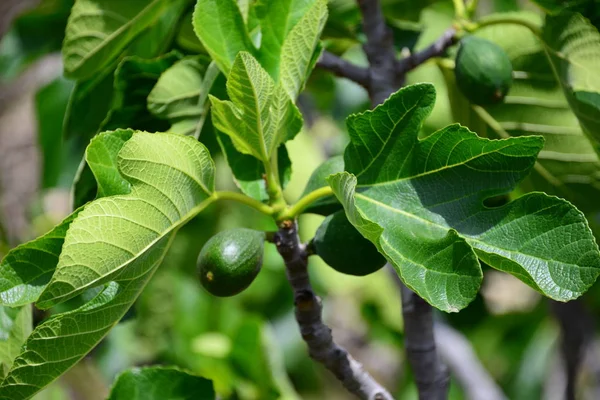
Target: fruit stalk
314 331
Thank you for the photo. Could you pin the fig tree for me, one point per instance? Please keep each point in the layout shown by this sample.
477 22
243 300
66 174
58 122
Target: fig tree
483 71
343 248
230 260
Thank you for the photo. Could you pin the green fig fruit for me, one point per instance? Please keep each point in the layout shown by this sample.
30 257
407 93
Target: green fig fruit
230 260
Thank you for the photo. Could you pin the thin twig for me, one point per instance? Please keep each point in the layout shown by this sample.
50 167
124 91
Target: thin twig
380 52
436 49
462 361
315 333
344 69
431 375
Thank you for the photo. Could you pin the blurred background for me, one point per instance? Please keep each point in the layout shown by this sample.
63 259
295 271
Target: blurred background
250 345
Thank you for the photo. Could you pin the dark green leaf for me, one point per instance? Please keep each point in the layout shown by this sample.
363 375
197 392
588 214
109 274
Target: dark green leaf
172 179
317 180
160 383
134 79
421 202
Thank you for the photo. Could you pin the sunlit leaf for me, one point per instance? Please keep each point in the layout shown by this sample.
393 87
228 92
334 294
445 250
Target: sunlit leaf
172 179
567 166
260 115
298 56
421 202
317 180
168 188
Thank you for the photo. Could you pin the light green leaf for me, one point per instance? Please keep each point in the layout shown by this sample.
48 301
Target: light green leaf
298 51
567 166
176 93
249 172
159 383
573 47
318 179
220 27
277 18
15 326
172 178
27 269
134 79
181 95
421 202
98 31
260 115
62 340
99 175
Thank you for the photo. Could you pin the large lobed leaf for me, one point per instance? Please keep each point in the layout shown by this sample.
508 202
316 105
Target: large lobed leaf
421 202
567 166
158 383
118 241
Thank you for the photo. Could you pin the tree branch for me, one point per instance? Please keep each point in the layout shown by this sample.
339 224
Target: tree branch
577 330
431 375
436 49
315 333
458 354
344 69
380 52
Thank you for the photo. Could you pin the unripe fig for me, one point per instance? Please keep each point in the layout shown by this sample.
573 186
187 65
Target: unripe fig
343 248
483 71
230 260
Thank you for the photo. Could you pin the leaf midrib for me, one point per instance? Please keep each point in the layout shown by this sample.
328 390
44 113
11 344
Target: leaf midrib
187 217
447 228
